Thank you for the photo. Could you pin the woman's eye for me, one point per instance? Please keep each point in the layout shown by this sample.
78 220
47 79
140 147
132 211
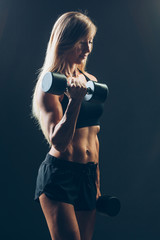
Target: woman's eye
90 42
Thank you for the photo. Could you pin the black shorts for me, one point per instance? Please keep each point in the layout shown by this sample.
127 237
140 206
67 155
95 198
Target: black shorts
69 182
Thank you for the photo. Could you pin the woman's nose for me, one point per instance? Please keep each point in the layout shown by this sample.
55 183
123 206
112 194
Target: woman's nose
87 47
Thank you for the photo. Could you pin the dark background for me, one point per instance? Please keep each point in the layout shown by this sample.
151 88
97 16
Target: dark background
126 56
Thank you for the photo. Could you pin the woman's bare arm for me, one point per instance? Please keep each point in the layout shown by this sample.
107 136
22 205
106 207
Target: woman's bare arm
61 128
98 182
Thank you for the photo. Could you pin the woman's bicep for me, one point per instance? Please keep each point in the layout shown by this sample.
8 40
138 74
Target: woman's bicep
50 111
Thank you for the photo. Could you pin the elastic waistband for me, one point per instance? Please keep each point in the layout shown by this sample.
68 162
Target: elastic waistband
68 164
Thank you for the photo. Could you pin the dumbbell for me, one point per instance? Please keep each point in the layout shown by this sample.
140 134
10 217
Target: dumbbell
56 83
108 205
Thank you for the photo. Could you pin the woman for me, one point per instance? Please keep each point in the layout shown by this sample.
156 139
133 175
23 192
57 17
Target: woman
68 179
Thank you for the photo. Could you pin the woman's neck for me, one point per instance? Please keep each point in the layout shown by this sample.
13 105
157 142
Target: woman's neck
73 71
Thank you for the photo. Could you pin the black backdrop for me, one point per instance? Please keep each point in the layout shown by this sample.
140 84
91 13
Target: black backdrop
126 56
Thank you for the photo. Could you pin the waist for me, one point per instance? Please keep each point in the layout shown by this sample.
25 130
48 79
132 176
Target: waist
76 166
77 153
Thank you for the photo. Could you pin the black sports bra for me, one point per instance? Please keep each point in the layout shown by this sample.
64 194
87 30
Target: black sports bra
90 111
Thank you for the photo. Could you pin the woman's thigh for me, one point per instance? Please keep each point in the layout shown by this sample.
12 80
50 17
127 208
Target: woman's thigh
86 222
61 219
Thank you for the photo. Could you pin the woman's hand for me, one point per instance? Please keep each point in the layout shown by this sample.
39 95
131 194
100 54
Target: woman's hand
98 193
98 182
76 88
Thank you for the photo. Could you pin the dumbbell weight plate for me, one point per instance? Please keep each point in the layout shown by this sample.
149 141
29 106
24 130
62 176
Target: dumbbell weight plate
100 92
96 91
108 205
54 83
90 90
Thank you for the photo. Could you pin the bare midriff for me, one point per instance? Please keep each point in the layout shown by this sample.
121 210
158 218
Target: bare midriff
83 148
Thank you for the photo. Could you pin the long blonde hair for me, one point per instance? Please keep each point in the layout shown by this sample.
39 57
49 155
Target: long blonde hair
67 31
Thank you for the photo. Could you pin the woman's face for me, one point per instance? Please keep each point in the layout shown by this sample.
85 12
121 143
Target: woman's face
81 51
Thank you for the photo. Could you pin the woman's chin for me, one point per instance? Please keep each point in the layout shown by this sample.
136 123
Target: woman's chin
82 60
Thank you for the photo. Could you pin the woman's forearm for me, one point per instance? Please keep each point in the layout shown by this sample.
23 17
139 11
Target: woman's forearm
63 132
98 182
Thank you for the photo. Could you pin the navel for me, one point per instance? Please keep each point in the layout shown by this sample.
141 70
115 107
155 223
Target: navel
88 152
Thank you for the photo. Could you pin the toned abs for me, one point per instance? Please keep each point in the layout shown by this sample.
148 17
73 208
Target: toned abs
83 148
